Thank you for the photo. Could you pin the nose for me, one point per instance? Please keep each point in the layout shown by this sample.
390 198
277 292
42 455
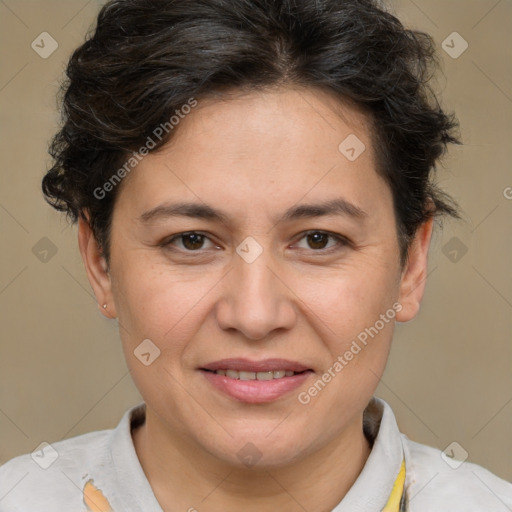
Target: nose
255 298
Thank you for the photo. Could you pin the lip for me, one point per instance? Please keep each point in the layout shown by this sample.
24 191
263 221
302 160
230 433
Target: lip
256 391
247 365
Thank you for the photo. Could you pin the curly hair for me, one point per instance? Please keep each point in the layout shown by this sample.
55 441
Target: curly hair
147 58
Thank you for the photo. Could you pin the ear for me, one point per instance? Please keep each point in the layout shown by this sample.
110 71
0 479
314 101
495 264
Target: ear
96 267
414 274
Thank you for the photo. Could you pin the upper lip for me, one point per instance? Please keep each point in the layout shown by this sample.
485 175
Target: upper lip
255 366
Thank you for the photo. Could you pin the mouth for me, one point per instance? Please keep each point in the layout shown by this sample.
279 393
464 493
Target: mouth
255 381
263 366
248 375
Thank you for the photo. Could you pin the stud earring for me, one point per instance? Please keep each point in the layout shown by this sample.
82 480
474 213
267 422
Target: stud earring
104 306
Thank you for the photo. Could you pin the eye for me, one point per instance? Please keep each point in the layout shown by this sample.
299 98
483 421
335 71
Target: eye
194 241
319 241
190 241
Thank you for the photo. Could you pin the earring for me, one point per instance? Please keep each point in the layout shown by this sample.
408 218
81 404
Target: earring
104 306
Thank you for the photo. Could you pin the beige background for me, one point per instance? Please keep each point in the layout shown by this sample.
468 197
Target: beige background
449 377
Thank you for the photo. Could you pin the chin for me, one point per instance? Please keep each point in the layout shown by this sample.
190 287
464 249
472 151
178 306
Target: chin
258 451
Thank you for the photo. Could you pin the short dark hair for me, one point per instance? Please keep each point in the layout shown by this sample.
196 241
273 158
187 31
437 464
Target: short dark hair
147 58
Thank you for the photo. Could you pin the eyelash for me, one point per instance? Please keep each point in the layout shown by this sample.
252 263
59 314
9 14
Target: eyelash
341 241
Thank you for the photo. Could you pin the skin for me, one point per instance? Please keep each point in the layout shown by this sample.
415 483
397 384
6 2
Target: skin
253 156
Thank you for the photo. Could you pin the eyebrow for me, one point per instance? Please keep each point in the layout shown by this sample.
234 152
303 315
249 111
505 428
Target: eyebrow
337 206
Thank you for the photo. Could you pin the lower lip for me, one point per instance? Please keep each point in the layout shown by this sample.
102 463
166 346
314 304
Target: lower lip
256 391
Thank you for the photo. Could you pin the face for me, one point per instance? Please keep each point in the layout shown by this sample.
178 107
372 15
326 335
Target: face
252 242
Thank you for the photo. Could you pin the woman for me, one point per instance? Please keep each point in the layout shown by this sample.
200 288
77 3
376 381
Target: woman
253 186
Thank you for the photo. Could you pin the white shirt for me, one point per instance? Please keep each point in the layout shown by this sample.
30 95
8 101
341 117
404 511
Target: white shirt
108 458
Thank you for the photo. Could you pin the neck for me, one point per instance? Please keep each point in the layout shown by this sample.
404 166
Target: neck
184 477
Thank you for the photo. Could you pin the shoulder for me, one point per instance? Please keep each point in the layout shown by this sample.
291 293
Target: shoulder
29 481
435 478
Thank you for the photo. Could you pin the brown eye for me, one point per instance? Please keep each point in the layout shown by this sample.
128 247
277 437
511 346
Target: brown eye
190 241
317 240
322 241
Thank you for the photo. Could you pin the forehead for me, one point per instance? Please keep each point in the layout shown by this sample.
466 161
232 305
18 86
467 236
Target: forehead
280 118
273 148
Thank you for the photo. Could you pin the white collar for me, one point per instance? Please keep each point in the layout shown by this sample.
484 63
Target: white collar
373 486
369 492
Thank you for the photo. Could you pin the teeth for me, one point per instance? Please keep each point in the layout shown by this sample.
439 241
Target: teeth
247 375
243 375
265 375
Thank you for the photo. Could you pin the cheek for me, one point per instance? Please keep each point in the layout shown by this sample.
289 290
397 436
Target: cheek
352 312
355 320
158 302
347 300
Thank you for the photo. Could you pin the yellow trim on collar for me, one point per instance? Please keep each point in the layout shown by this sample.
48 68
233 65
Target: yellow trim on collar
393 504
